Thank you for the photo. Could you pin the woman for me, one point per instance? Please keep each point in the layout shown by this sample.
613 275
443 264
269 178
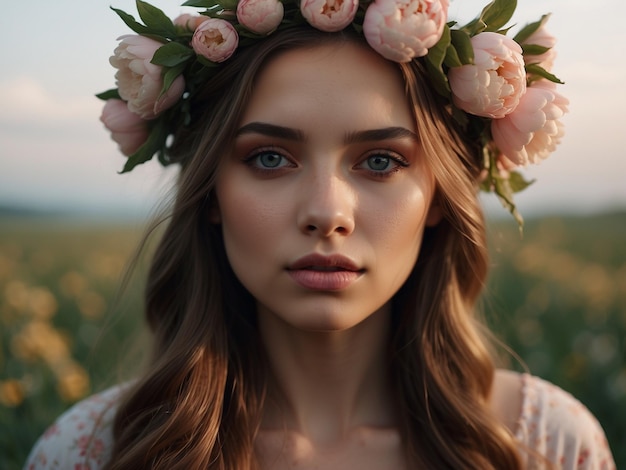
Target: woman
312 298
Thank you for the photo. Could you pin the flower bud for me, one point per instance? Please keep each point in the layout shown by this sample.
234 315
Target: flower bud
329 15
400 30
493 85
215 39
260 16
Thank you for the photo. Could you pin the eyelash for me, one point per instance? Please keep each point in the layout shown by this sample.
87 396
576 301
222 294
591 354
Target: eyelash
393 158
252 160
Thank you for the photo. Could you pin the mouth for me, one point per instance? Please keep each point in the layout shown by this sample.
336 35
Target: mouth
325 273
328 269
331 263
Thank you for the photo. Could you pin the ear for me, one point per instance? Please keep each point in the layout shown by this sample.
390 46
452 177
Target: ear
435 212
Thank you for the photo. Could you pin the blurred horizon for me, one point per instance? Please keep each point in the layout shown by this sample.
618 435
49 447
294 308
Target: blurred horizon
111 214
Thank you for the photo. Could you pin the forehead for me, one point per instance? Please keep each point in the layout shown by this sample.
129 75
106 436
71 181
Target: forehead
345 81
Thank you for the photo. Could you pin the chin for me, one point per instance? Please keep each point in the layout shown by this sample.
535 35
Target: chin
324 318
329 323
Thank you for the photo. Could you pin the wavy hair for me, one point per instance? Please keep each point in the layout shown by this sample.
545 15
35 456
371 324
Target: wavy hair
199 403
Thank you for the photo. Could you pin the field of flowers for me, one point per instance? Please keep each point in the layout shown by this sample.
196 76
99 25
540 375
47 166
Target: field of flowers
557 297
59 337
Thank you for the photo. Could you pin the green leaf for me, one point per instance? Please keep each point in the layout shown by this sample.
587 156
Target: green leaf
140 156
112 94
452 58
155 142
529 29
200 3
229 4
172 54
534 49
130 21
474 27
504 185
434 63
504 31
498 13
170 75
503 190
536 69
517 182
463 46
156 21
206 62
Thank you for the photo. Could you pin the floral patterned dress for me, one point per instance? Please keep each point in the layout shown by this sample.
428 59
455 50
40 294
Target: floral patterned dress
552 425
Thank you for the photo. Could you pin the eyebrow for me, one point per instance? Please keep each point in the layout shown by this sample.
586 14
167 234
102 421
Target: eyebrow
271 130
288 133
386 133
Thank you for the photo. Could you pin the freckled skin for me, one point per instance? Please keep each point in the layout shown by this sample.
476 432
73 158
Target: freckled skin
325 93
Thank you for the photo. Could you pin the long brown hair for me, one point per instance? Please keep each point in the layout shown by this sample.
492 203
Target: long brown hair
199 403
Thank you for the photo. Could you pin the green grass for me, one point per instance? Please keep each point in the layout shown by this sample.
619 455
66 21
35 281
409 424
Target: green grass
557 297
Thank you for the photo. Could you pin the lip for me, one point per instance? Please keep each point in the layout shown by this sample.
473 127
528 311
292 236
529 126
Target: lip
319 272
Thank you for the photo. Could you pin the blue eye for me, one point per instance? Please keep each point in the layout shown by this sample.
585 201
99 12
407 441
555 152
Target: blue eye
381 164
378 162
270 159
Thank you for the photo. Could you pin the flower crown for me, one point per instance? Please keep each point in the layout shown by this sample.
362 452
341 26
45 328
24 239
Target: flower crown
499 88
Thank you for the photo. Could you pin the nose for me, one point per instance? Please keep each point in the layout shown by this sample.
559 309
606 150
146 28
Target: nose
327 205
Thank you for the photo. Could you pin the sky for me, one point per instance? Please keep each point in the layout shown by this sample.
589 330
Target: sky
56 155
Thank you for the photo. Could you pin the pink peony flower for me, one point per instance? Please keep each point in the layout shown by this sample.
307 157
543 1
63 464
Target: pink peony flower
329 15
139 82
542 37
260 16
127 129
215 39
402 29
494 84
191 22
533 130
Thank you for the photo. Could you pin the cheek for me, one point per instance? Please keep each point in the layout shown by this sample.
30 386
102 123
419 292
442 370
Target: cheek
250 223
395 235
400 224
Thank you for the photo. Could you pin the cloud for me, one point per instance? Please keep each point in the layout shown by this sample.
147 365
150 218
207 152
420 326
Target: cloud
56 154
26 101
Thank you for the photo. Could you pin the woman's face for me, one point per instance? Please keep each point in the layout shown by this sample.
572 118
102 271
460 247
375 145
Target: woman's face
325 196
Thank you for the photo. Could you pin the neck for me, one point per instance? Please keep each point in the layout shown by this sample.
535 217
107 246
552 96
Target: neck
326 384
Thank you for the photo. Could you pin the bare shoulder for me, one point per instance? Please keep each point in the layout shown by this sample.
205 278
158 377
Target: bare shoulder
507 396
